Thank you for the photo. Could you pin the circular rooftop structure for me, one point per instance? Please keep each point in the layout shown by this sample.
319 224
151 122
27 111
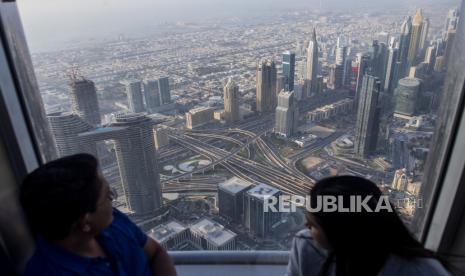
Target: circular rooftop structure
409 82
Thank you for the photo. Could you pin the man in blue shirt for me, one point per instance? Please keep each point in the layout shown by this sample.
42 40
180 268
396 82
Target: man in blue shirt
68 206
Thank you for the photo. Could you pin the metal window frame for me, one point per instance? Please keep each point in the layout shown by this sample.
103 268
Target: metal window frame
25 130
23 107
444 185
14 129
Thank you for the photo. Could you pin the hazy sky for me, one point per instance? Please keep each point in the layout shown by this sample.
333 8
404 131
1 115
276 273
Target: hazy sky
49 23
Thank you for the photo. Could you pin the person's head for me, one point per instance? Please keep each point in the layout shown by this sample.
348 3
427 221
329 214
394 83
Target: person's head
351 235
65 197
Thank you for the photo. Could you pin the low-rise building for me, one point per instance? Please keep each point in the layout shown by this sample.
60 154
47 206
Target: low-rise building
211 235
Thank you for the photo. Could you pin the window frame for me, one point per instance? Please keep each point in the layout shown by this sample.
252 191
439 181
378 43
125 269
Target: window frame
25 128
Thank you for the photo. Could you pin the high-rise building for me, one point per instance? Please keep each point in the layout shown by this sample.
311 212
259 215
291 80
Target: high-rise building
134 94
231 102
289 70
287 114
415 39
347 72
338 76
404 44
152 94
312 64
399 151
379 59
279 85
84 100
367 125
400 181
430 57
391 76
256 219
161 137
424 34
439 64
452 20
137 160
164 88
364 66
341 52
231 198
406 96
450 37
66 128
266 86
199 116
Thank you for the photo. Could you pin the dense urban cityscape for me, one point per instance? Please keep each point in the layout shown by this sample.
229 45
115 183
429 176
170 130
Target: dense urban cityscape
196 126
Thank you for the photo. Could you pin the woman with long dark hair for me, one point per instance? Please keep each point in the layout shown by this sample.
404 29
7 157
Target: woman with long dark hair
354 241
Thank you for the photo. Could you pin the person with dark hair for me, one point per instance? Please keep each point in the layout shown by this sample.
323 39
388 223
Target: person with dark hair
68 205
357 241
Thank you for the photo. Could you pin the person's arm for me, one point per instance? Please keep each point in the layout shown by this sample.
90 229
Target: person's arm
160 261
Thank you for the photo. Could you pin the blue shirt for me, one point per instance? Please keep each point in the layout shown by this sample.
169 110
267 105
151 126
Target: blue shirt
122 241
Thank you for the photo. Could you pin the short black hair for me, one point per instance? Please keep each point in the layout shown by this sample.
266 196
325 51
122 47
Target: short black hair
57 194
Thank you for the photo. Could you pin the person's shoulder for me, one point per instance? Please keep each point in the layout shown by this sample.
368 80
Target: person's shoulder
304 234
415 266
39 265
123 227
120 220
305 242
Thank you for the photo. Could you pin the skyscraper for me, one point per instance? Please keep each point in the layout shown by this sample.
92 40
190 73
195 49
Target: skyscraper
266 86
341 52
391 75
450 37
406 96
452 20
164 88
255 218
400 181
404 44
137 160
430 57
312 64
379 60
338 76
367 125
66 128
287 114
289 70
152 94
364 61
84 100
424 34
415 39
341 66
347 72
279 84
134 94
231 102
231 198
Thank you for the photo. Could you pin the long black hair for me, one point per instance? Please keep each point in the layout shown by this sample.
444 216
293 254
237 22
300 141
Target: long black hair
361 242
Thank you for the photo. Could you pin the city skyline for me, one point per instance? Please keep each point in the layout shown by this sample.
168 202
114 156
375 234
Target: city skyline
185 114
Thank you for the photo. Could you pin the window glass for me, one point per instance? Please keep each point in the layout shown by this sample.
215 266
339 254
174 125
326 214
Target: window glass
200 110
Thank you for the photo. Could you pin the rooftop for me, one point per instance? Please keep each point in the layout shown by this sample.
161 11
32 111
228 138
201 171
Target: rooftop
199 109
165 231
213 231
234 185
262 190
